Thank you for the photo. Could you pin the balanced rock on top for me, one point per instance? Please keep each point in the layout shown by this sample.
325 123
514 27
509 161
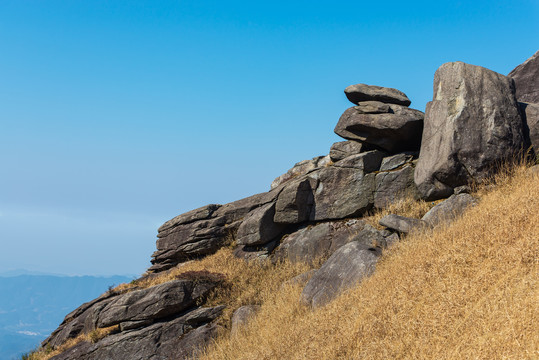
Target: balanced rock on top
362 92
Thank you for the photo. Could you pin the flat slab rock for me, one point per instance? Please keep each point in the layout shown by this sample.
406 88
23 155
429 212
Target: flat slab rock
343 270
472 125
179 338
362 92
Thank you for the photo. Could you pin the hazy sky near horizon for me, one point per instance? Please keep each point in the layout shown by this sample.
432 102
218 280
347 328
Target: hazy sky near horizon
116 116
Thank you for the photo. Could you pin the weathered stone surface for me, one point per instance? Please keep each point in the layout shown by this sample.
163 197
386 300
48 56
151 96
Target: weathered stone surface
300 279
320 240
242 316
395 161
259 228
341 192
372 107
449 209
394 185
154 303
534 170
344 269
530 112
294 203
180 240
342 149
464 189
367 162
472 124
526 76
362 92
255 253
301 168
401 224
79 320
178 338
397 131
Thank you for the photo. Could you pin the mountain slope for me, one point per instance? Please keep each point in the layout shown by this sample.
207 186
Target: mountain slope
465 291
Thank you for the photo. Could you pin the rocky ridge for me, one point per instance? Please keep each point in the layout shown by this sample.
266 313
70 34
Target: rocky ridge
475 121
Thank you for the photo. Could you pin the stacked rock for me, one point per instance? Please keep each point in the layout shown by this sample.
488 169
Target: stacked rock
380 120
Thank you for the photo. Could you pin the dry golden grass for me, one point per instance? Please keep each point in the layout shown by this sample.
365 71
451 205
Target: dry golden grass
93 336
465 291
245 282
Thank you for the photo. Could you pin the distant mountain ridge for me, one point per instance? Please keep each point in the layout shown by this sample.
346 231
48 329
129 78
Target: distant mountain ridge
31 306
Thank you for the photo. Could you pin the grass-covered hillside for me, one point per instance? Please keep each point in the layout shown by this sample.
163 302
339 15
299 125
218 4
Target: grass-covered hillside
464 291
467 291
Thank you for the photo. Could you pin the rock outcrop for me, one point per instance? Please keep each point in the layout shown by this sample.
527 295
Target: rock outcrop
313 212
394 130
471 126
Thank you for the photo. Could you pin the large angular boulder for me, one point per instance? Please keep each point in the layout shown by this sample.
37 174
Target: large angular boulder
399 129
341 192
313 242
362 92
471 126
259 228
526 76
142 307
393 185
294 203
203 231
344 269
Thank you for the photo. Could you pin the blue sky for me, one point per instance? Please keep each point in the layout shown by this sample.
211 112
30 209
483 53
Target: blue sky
118 115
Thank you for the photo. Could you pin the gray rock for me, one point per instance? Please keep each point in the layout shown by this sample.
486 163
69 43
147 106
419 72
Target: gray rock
154 303
294 203
526 76
343 149
82 319
530 112
341 193
300 279
362 92
372 107
472 125
196 233
449 209
255 253
392 239
534 170
464 189
176 339
344 269
394 185
301 168
367 162
401 224
319 240
397 131
395 161
242 316
259 228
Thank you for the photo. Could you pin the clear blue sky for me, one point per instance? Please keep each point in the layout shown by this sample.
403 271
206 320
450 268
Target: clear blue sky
118 115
